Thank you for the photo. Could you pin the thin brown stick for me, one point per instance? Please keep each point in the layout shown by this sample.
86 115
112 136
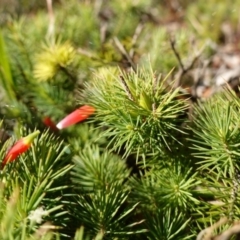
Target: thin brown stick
184 70
123 51
126 88
173 42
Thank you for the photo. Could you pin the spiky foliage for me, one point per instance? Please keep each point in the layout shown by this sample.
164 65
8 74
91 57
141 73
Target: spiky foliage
102 192
156 191
34 184
12 228
138 110
168 224
216 144
92 169
137 171
216 127
30 227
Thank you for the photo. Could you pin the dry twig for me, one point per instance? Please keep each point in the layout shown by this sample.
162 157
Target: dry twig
127 90
51 19
183 69
207 234
124 52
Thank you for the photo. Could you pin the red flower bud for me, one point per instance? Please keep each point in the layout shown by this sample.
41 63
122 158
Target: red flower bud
19 147
49 123
76 116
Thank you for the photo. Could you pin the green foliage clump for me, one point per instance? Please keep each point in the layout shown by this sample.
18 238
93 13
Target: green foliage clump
139 111
149 163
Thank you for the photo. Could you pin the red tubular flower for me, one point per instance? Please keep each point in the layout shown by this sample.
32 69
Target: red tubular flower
76 116
49 123
19 147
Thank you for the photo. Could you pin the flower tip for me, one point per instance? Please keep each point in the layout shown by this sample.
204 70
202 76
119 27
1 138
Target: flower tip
29 138
34 134
59 126
76 116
